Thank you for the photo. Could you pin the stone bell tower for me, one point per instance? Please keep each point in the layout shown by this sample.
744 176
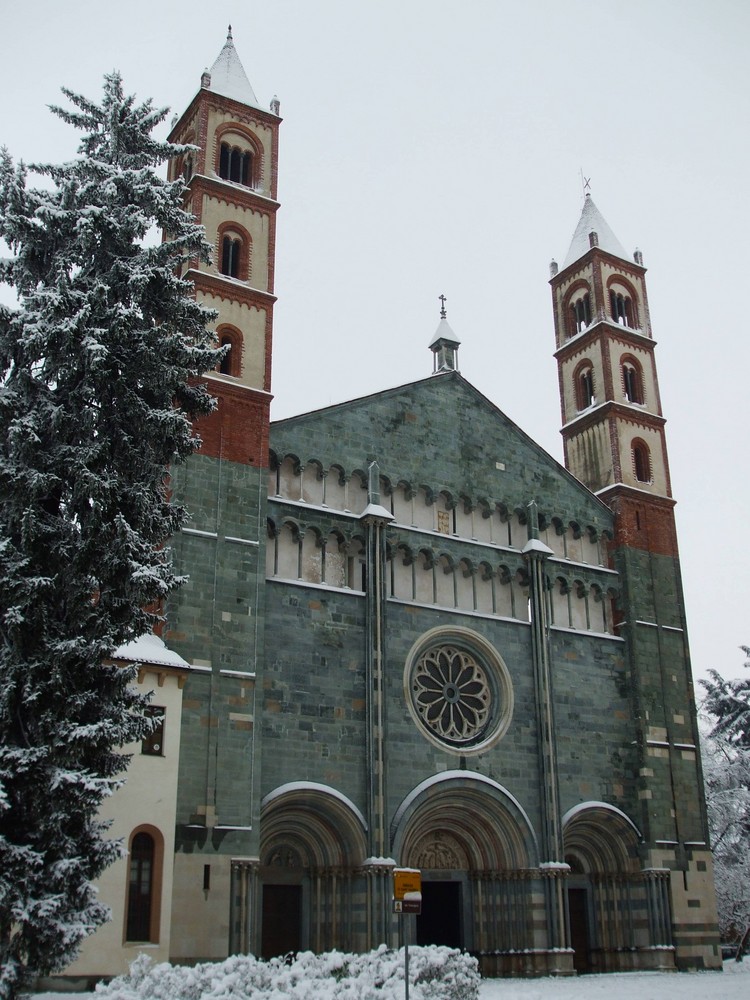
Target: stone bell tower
216 619
614 438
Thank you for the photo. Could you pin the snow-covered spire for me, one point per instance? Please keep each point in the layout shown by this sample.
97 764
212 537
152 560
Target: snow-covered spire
444 345
592 230
227 75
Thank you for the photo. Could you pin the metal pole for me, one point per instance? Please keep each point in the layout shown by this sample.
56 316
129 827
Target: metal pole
406 963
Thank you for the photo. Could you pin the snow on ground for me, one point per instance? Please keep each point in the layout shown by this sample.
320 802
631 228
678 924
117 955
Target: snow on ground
732 984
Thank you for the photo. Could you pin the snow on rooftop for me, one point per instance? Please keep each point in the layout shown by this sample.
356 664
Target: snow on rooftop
592 220
377 511
444 332
150 649
228 76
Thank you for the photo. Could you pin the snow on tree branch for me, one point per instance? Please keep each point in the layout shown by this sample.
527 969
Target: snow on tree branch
98 386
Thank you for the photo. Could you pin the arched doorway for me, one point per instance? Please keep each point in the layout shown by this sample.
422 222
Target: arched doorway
618 913
312 841
475 848
143 897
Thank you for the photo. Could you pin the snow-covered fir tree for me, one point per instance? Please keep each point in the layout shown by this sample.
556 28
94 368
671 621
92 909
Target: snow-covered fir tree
726 758
97 384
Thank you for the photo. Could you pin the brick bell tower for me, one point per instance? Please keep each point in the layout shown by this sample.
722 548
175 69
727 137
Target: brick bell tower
232 180
216 619
614 441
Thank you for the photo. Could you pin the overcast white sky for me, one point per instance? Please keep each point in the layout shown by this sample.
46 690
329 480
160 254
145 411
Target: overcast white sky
435 146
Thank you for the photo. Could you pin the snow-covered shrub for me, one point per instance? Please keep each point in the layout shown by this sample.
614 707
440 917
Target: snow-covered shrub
435 973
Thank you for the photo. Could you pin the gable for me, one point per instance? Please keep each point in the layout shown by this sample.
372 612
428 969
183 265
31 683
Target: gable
440 434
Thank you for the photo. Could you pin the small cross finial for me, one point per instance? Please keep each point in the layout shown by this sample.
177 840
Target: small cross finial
442 306
585 184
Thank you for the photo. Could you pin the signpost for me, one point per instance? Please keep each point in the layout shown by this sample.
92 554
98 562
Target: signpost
407 898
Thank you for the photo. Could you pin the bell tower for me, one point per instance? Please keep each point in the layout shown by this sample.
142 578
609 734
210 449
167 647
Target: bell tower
614 440
232 188
216 620
613 428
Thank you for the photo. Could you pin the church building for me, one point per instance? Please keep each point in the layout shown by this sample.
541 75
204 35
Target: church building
411 638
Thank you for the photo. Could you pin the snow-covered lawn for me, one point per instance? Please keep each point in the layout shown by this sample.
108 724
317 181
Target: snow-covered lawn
731 984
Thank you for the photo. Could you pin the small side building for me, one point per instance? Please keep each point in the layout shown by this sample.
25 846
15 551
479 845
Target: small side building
139 887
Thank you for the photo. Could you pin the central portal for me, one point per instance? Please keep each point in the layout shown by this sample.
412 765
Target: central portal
282 920
440 919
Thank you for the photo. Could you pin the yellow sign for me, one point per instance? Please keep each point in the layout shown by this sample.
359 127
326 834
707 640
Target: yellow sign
406 880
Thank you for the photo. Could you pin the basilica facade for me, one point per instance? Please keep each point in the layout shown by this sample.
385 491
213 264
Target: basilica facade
411 638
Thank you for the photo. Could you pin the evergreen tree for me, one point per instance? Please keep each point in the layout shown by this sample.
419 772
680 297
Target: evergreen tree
729 703
726 756
97 385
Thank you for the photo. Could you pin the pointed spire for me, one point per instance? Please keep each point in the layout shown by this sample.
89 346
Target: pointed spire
592 230
227 76
444 345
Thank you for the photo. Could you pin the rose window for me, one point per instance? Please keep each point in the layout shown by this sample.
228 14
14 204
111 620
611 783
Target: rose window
458 690
452 694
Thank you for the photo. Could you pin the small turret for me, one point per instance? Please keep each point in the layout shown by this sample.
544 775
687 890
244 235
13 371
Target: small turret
444 344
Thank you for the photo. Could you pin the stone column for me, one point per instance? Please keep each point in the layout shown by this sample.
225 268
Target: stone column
659 909
380 920
553 869
374 518
536 553
244 916
554 878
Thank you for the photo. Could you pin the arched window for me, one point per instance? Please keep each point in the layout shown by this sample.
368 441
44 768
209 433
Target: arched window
585 387
632 381
225 365
235 164
139 925
187 169
230 363
622 308
580 313
641 462
231 252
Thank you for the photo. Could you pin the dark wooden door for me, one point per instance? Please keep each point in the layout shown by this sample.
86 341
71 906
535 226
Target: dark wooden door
440 919
282 920
579 929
